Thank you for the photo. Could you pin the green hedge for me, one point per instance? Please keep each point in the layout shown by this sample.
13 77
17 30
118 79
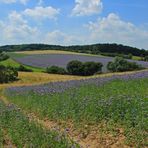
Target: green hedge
56 70
23 68
3 56
84 69
7 74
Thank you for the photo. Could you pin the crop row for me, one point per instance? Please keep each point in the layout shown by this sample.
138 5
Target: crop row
25 133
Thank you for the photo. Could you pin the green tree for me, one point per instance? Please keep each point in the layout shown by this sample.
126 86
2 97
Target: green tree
90 68
7 74
75 67
120 64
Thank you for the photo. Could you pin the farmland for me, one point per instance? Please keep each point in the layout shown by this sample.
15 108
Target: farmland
22 132
60 111
45 60
109 107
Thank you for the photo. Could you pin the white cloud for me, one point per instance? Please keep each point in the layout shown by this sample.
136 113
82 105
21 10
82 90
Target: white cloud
87 7
59 37
16 30
40 12
113 29
14 1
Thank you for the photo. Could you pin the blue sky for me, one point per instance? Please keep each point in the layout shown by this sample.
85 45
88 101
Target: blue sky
70 22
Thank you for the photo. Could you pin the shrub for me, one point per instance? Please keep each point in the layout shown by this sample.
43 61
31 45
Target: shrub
7 74
75 68
23 68
119 65
3 56
56 70
90 68
83 69
146 58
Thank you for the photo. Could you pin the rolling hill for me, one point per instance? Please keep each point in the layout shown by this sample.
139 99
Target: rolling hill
94 48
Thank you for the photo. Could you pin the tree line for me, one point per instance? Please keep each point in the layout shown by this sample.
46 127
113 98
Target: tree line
92 49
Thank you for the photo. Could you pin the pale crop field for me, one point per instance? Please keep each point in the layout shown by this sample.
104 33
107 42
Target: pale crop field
52 52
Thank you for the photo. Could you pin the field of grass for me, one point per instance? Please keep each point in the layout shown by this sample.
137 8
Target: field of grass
18 130
114 106
136 58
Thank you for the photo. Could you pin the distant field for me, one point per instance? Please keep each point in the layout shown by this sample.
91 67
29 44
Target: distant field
136 58
22 53
45 60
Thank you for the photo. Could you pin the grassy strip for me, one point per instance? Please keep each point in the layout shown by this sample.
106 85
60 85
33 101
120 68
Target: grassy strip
13 63
118 102
25 133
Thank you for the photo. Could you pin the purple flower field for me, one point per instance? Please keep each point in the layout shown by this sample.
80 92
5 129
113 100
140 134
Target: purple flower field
58 87
43 61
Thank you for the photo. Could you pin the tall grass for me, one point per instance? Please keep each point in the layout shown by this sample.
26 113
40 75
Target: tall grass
25 133
122 103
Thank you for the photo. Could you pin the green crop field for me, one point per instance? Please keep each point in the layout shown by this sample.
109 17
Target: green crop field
116 105
18 130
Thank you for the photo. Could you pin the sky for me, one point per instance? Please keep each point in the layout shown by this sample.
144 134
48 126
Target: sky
74 22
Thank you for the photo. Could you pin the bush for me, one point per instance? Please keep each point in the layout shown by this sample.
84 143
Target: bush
120 65
90 68
83 69
146 58
56 70
3 56
23 68
75 67
7 74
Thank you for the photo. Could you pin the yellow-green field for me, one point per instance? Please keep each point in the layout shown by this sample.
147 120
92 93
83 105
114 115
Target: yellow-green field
52 52
136 58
